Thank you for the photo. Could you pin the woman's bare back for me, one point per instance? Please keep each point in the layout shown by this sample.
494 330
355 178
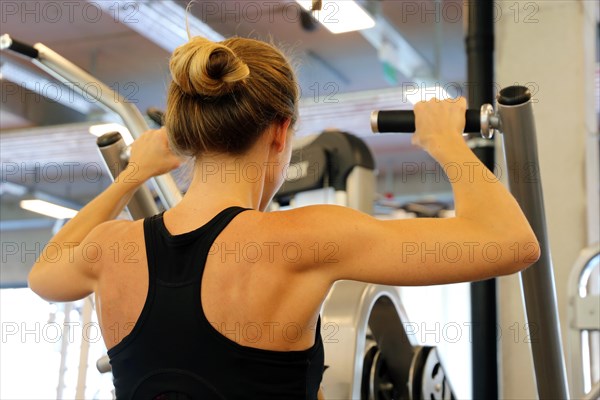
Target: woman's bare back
249 292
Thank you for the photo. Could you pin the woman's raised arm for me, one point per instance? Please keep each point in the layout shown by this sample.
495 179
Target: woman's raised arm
489 236
63 271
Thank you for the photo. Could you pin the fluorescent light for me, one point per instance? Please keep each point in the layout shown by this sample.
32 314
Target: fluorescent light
426 93
163 22
340 16
101 129
52 90
47 208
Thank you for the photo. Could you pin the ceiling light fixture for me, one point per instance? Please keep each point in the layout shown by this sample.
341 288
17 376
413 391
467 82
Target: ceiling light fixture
340 16
49 209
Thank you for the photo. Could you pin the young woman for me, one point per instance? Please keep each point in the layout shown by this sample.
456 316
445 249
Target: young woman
217 299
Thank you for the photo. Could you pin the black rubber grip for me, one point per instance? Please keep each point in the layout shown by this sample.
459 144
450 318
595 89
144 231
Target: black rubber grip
24 49
403 121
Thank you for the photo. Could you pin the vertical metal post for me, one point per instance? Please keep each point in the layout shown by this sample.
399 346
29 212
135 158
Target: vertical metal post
84 352
537 282
64 348
479 43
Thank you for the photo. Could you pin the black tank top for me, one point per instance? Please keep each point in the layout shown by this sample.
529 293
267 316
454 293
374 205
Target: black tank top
173 352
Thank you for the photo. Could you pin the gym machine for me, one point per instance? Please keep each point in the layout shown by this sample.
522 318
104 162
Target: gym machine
514 118
373 312
584 324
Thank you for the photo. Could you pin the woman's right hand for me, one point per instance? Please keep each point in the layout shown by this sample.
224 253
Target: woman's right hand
439 124
151 155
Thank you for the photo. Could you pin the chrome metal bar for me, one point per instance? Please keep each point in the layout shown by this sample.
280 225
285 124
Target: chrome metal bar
92 89
520 145
72 75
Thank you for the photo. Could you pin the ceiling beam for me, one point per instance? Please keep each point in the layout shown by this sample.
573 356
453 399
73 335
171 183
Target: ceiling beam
32 108
7 225
163 22
395 50
43 86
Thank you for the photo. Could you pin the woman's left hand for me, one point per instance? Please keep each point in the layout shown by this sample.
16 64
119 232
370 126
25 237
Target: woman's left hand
151 155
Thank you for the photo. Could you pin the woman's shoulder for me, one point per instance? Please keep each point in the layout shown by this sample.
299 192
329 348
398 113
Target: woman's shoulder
310 214
315 219
305 224
116 230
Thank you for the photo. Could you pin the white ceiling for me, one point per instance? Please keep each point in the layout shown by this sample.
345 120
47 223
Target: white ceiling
119 56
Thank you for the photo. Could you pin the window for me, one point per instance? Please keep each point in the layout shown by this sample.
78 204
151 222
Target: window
49 350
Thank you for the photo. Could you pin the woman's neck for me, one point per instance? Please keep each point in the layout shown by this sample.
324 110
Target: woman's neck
223 180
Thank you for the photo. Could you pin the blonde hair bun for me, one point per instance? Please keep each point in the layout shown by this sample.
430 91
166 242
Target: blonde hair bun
203 67
263 91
